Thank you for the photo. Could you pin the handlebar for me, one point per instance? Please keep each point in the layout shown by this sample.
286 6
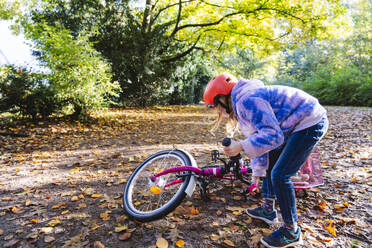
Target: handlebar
234 162
227 142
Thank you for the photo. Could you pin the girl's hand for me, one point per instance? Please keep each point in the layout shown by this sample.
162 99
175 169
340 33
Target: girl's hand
233 149
253 189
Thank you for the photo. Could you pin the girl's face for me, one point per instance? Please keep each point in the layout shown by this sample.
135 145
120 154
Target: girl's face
221 109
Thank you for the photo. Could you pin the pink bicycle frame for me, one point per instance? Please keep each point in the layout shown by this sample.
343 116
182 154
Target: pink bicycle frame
215 172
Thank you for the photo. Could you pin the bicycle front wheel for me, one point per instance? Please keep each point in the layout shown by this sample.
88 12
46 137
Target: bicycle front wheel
146 200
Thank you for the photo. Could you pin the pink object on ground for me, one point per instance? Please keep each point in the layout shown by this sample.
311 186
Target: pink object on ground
310 174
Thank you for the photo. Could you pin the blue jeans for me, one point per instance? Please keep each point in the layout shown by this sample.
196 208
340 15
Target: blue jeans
284 162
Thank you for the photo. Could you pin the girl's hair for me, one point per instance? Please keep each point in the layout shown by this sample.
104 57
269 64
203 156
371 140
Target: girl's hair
232 122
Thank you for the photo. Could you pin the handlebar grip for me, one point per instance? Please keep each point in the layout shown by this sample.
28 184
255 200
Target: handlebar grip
226 142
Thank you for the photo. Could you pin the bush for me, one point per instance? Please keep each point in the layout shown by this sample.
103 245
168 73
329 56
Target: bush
343 86
26 93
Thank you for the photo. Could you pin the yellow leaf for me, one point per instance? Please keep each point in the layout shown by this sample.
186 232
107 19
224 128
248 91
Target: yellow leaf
75 198
229 243
329 225
54 223
16 209
215 237
98 244
94 227
121 228
156 190
194 211
35 220
161 243
346 204
96 195
180 243
64 212
339 208
1 231
105 216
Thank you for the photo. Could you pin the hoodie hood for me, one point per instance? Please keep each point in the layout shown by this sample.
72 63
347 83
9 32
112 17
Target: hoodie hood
244 87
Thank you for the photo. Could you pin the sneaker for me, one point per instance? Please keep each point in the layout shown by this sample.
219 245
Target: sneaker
282 238
261 214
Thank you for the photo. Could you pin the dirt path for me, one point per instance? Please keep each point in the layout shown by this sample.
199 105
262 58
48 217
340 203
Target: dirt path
62 185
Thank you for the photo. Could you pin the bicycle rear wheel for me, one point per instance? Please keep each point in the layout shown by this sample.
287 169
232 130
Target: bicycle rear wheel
145 200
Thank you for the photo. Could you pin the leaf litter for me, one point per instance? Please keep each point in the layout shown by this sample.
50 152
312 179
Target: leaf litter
62 185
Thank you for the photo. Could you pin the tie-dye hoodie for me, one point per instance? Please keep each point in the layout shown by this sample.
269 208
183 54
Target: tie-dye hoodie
267 115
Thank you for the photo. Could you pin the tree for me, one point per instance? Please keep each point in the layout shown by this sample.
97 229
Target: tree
146 45
334 70
9 9
75 71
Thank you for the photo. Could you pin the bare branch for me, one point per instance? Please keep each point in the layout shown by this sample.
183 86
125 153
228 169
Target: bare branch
218 6
285 13
167 7
178 17
179 56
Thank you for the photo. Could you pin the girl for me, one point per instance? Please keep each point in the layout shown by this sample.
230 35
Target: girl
282 125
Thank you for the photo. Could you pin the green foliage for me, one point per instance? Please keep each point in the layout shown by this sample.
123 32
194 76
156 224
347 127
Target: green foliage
337 71
151 45
188 82
343 86
241 62
26 93
75 71
9 9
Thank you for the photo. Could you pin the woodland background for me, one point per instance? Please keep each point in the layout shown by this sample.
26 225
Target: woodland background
97 53
119 80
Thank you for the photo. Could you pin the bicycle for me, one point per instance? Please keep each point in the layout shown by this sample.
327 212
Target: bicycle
160 183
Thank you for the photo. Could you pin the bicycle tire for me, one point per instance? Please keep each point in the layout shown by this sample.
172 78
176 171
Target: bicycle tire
175 197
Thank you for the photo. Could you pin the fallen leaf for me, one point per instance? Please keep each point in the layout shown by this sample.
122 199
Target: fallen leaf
105 216
94 227
48 239
121 228
180 243
98 244
75 198
1 231
330 227
156 190
54 223
214 237
125 236
96 196
17 210
9 237
46 230
161 243
229 243
194 211
65 212
11 243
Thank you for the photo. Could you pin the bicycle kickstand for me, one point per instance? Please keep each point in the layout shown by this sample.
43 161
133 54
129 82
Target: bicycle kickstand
203 189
